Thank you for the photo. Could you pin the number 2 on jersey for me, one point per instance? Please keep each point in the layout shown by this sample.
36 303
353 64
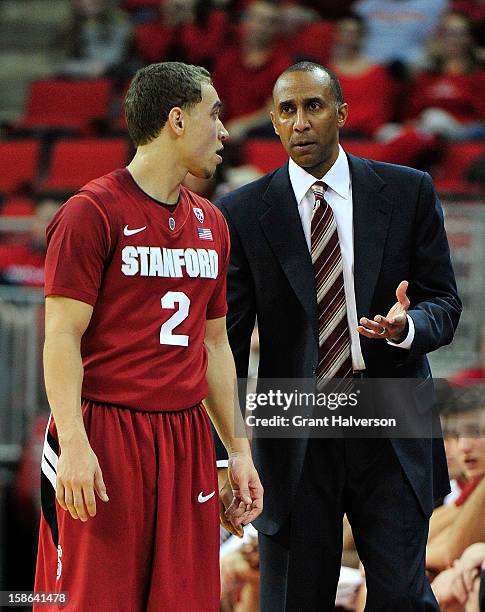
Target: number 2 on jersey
171 300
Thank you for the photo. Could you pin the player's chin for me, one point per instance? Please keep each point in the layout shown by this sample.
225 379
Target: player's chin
205 172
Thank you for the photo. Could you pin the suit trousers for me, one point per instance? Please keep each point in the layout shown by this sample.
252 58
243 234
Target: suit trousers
300 564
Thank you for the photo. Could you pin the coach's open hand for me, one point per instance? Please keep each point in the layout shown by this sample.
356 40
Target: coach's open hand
241 496
392 326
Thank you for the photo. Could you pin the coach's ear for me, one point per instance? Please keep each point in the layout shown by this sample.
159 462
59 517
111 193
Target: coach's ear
273 122
176 120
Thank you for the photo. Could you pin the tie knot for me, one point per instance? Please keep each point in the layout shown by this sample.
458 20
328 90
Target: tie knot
319 189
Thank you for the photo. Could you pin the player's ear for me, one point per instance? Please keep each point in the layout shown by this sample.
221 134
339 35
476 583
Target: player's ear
273 122
176 120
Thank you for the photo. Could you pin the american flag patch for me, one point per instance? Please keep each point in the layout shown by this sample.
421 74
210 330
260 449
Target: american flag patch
204 233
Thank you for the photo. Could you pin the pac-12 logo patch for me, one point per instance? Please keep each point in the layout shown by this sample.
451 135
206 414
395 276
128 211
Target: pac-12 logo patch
199 213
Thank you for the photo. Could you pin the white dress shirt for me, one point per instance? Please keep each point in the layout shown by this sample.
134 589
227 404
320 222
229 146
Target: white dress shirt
339 198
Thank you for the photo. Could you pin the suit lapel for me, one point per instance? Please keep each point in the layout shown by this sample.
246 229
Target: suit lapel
371 214
282 227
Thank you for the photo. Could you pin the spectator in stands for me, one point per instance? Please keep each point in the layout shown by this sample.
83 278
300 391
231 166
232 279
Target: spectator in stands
459 585
456 526
245 73
240 575
455 467
98 40
397 30
475 11
23 264
368 88
447 99
190 30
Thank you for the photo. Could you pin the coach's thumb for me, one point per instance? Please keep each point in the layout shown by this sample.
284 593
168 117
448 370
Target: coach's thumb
99 486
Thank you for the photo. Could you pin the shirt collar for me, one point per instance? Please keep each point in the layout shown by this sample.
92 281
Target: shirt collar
337 178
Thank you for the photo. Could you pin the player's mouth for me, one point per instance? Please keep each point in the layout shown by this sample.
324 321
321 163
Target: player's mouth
218 154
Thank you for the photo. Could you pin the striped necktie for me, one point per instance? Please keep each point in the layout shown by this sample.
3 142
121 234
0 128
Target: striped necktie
335 359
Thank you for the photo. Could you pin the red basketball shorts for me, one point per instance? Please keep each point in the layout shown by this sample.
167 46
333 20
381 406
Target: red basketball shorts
154 546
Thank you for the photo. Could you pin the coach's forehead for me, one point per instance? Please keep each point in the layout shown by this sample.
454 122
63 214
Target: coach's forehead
307 84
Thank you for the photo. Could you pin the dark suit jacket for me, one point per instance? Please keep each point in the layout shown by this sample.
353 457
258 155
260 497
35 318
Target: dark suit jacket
398 235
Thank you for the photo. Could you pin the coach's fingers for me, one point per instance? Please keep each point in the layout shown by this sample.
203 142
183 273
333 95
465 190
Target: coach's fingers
99 485
77 494
60 495
69 499
89 500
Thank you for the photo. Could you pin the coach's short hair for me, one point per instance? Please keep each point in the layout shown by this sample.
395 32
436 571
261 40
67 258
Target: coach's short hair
155 90
313 67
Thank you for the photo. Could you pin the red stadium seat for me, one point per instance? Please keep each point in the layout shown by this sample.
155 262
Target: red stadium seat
314 41
62 104
76 162
151 41
266 155
365 148
18 207
455 165
134 5
18 162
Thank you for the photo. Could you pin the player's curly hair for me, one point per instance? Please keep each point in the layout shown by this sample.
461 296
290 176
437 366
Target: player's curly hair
155 90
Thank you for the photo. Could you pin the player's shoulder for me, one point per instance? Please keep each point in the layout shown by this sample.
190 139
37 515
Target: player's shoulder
94 203
106 189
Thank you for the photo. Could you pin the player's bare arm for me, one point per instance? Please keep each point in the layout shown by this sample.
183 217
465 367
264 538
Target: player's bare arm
247 492
78 472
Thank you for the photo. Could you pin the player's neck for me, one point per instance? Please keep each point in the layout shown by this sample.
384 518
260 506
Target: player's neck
158 176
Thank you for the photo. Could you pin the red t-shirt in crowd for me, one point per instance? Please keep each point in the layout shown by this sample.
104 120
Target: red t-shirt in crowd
370 97
21 264
458 94
153 277
244 89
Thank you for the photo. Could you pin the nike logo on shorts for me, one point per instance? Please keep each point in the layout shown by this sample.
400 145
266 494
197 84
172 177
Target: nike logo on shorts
203 498
130 232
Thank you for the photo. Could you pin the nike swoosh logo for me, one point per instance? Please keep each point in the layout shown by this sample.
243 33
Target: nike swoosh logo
130 232
203 498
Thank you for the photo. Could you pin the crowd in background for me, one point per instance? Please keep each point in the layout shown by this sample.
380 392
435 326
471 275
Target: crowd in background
413 74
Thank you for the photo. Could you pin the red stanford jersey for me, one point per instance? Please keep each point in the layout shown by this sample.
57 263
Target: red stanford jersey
153 278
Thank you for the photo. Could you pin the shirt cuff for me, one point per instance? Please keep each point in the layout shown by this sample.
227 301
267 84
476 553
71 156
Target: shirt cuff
408 340
222 463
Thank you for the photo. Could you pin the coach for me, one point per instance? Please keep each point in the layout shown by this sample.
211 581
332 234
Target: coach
388 298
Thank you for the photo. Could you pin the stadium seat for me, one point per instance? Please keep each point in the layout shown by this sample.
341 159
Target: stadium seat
63 104
18 207
266 155
149 42
451 176
313 41
76 162
18 162
134 5
365 148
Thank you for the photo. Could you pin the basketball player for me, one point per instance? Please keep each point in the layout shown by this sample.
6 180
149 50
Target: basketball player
135 340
